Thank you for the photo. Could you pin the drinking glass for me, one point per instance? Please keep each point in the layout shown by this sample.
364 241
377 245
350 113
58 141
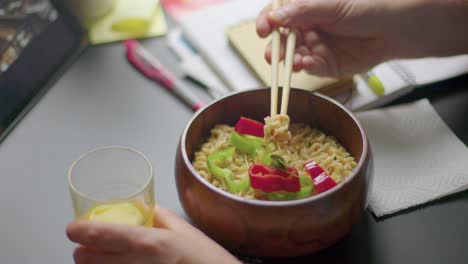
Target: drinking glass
113 184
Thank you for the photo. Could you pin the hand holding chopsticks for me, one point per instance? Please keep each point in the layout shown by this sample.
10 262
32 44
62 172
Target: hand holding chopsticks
289 58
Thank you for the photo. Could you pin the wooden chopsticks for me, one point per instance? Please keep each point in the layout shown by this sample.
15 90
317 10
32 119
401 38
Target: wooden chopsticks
275 52
289 59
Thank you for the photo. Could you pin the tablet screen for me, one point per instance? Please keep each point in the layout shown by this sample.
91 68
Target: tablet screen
36 39
21 22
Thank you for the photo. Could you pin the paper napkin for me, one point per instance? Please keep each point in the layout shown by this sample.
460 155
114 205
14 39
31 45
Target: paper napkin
417 157
129 19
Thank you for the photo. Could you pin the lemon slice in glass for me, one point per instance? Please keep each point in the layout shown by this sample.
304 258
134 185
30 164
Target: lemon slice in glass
120 213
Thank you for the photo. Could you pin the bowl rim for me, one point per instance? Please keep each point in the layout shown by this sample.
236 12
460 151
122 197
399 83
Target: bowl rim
256 202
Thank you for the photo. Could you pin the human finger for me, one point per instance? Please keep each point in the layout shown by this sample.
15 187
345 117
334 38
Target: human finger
263 25
317 65
268 51
321 61
307 13
302 50
313 65
108 237
297 62
297 58
84 255
311 38
165 218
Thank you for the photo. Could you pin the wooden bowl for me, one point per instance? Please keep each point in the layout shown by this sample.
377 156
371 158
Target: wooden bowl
275 228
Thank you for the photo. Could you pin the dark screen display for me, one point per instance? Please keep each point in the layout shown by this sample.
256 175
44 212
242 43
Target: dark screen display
20 22
35 40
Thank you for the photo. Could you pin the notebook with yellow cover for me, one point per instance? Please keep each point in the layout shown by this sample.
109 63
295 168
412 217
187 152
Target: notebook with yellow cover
244 39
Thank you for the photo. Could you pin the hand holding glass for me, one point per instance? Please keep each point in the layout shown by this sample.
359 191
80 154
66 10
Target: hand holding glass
113 184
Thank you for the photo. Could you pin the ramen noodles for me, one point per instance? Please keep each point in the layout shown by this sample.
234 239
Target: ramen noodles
277 130
275 161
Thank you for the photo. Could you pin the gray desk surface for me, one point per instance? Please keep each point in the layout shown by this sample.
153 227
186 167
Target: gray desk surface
101 101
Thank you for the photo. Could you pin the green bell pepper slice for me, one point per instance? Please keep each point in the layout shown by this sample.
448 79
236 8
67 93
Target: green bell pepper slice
253 146
237 186
225 175
246 144
217 158
263 156
305 191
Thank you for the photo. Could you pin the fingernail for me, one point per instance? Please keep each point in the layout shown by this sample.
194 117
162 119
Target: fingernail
308 61
278 15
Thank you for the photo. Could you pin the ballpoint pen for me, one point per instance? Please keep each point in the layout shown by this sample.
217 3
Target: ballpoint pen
153 69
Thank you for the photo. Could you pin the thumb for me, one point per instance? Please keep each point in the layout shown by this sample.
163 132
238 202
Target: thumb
306 14
164 218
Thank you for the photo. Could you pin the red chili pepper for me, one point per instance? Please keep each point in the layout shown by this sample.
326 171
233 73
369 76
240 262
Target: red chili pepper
270 179
321 180
249 126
